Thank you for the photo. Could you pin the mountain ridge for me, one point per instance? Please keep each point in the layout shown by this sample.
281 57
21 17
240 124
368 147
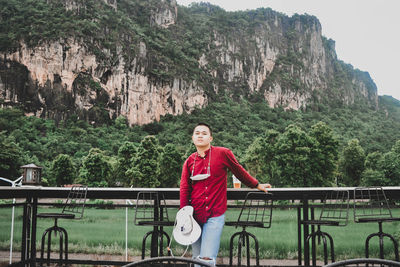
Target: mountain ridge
146 59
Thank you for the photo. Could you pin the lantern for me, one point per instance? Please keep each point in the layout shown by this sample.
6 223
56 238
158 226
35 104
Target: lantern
32 174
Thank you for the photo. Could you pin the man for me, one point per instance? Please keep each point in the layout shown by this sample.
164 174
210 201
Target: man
204 186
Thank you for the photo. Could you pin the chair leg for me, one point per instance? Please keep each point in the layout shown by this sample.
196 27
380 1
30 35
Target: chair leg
323 235
381 235
314 246
63 242
61 245
240 241
313 250
47 233
248 249
161 244
64 233
243 240
395 245
256 247
42 245
231 248
144 243
49 246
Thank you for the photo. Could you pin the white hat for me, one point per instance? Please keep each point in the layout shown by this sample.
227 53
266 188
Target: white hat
186 230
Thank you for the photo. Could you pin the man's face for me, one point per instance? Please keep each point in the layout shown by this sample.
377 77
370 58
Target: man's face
201 136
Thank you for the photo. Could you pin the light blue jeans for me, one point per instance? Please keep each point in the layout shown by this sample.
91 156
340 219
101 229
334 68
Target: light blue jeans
207 245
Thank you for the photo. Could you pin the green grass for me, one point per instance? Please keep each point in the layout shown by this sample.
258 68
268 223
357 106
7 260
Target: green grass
103 232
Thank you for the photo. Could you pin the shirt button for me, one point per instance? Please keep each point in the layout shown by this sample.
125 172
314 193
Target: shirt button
206 187
206 207
206 197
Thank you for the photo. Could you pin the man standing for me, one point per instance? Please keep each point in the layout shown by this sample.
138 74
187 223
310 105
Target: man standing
204 187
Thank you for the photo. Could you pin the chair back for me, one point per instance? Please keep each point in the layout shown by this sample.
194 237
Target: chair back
168 262
336 207
364 262
371 203
256 210
75 203
145 212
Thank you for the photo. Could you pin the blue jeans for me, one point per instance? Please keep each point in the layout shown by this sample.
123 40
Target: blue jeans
207 245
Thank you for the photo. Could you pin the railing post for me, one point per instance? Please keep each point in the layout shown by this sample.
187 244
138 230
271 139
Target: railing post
24 231
127 202
313 244
33 232
299 252
306 231
155 234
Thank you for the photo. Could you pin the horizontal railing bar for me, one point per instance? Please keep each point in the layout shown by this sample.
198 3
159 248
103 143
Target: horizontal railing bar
93 205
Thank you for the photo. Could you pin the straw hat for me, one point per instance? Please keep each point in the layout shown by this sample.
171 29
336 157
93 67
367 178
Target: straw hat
186 230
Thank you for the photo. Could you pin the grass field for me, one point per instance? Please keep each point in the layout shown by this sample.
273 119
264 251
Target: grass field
103 232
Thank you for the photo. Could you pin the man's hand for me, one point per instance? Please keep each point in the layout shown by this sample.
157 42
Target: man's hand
263 187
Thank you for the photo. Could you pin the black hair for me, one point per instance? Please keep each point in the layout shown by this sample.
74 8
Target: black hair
203 124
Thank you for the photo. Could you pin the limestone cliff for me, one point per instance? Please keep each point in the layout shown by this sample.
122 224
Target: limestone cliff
164 70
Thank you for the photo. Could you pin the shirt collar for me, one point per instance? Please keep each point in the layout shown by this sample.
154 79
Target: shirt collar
205 153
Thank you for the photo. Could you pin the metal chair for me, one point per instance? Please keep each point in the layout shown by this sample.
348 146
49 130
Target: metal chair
372 206
334 212
168 261
368 262
256 212
151 211
73 209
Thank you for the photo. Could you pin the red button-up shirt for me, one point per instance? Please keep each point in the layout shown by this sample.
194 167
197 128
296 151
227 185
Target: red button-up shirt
208 197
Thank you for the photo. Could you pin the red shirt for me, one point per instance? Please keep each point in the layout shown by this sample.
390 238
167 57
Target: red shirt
208 196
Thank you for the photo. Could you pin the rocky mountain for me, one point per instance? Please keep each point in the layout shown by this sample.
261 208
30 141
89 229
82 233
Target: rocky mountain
145 59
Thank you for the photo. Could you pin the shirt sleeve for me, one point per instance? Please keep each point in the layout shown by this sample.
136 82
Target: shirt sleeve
185 186
238 170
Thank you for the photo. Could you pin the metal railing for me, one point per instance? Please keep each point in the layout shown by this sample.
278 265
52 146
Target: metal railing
36 196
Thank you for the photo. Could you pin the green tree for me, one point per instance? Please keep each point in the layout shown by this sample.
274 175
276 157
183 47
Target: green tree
390 165
371 177
170 166
373 174
374 160
126 155
325 153
145 169
62 170
352 163
121 123
294 158
10 157
260 155
95 170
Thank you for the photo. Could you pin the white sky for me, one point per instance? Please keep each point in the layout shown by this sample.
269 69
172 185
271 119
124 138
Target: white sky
366 32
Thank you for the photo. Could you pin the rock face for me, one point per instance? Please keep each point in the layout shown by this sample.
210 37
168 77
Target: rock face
285 60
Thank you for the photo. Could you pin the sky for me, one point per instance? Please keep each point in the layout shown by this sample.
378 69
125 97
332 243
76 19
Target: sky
366 32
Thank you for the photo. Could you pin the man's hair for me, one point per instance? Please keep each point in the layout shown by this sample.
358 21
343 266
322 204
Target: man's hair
203 124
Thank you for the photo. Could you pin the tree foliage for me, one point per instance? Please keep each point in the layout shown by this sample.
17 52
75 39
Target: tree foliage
250 130
10 157
96 170
352 163
145 168
294 151
170 166
62 170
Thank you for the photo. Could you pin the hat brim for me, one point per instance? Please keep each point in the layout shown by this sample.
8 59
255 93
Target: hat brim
193 236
